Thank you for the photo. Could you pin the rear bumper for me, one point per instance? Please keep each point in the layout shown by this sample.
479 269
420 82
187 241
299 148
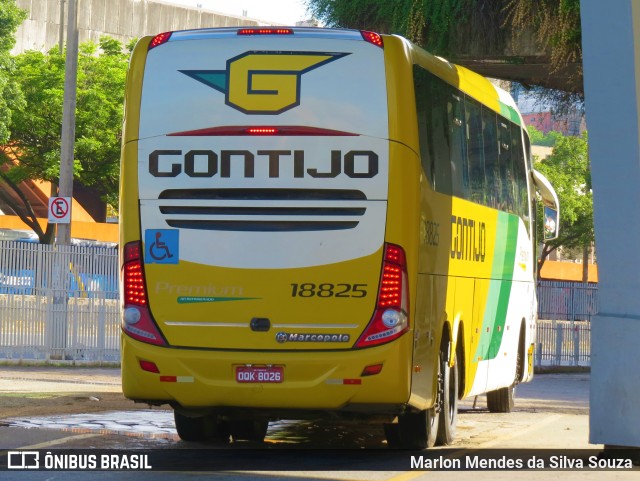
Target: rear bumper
313 380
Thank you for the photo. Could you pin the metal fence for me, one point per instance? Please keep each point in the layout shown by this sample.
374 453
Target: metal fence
58 303
61 304
564 333
567 301
563 344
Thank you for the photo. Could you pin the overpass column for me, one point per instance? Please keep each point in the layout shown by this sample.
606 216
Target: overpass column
610 30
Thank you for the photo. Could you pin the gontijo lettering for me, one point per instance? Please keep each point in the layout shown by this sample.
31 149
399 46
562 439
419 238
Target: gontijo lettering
357 164
468 239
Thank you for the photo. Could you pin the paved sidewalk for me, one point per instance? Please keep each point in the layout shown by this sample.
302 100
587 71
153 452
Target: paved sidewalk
17 379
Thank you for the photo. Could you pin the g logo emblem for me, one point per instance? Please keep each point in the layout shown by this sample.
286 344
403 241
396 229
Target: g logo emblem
263 82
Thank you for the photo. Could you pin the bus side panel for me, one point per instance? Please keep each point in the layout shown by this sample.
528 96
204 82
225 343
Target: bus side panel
519 312
407 222
502 302
403 228
474 248
129 214
405 217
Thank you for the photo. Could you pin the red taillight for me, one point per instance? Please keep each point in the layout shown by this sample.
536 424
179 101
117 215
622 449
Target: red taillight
371 370
134 290
265 31
373 38
149 366
262 131
136 317
159 40
282 130
132 251
390 319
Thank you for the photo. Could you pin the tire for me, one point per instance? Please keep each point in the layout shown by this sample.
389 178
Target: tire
248 429
501 400
190 429
201 428
449 411
417 430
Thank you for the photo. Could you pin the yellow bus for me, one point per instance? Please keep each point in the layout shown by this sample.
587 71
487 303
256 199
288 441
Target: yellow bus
321 221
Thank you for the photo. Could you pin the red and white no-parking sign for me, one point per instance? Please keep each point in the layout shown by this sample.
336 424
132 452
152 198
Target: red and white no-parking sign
60 210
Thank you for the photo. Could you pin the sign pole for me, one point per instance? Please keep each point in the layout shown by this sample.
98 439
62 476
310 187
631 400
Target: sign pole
58 324
67 140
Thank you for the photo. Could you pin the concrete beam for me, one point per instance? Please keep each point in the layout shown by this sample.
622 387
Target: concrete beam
121 19
610 30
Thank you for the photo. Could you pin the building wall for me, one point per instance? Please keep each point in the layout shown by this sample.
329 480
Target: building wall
121 19
572 123
540 120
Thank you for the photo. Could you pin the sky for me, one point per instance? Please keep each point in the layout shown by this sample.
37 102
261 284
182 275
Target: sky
278 11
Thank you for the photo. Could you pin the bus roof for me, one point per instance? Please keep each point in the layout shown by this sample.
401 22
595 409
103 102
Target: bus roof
469 82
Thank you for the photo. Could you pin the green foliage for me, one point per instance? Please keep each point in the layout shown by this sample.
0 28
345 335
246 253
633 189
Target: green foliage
426 22
100 97
10 18
556 27
567 168
36 123
447 27
546 140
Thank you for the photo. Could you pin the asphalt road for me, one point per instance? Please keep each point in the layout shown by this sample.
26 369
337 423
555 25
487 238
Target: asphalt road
551 413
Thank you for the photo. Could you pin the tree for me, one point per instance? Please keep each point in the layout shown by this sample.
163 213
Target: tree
10 18
35 125
556 27
567 168
427 23
545 140
476 27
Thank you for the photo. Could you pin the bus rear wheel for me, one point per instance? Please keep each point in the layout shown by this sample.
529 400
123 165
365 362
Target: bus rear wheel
248 429
418 429
201 428
415 430
449 412
501 400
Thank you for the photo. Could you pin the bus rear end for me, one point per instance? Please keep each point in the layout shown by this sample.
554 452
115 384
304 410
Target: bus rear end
257 277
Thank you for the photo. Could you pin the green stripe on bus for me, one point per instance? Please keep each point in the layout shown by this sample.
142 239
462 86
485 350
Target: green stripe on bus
495 314
510 113
505 286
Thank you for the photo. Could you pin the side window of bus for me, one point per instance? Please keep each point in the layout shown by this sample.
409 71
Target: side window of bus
423 112
475 151
492 173
520 173
458 152
506 194
432 97
440 135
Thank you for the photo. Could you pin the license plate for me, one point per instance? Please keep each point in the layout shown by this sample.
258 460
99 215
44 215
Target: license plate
259 374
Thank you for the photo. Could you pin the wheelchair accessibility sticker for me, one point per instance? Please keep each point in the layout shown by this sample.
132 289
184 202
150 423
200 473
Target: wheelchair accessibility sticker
162 246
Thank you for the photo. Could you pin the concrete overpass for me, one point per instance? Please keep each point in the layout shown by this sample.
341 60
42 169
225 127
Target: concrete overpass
120 19
529 70
490 51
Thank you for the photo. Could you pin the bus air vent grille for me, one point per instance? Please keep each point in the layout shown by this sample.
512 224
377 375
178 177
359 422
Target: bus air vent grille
263 210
